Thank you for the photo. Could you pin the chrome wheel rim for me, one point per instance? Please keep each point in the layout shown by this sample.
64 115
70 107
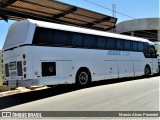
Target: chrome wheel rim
83 78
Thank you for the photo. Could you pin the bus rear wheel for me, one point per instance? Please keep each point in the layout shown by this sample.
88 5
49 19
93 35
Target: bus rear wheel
83 78
147 71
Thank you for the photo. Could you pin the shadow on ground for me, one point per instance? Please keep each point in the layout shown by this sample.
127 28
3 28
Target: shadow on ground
17 99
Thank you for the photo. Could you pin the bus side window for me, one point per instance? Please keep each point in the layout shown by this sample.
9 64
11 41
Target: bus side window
43 36
120 44
77 40
61 37
140 46
135 46
110 43
89 41
101 43
127 45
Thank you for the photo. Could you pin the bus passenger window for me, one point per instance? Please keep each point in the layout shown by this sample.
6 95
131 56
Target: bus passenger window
135 46
140 46
127 45
77 40
110 43
101 43
60 38
120 44
43 36
89 41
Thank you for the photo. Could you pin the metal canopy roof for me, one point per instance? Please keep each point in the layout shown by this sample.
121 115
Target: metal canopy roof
54 11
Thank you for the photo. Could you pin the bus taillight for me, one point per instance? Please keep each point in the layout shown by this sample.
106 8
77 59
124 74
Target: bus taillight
24 62
24 69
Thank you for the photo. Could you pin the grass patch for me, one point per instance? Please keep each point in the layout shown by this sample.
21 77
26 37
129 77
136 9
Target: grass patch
1 81
4 88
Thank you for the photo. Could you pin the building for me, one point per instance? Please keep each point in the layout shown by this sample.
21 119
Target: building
148 28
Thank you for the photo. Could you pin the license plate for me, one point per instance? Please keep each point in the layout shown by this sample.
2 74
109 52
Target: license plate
12 65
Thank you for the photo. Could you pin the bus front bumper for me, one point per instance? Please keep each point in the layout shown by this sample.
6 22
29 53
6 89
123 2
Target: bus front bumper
21 83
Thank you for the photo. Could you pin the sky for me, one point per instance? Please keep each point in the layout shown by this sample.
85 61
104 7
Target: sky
125 10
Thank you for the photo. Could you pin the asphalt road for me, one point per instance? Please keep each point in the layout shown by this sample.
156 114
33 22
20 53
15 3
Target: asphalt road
134 94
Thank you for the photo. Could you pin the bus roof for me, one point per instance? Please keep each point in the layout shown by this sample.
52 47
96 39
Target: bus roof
81 30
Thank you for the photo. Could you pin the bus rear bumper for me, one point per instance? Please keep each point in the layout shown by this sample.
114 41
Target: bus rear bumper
21 83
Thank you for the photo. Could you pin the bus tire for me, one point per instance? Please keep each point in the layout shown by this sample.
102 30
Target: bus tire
147 70
83 78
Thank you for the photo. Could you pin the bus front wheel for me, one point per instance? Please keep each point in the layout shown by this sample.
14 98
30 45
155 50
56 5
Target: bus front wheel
147 71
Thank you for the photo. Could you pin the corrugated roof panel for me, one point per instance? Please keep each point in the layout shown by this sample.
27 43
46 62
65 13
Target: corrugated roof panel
54 11
72 20
89 14
37 12
80 17
37 8
48 4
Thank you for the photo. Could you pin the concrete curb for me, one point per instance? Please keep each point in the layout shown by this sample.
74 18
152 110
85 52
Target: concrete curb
21 90
12 92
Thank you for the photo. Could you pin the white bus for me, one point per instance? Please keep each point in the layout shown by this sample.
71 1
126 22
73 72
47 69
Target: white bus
157 45
42 53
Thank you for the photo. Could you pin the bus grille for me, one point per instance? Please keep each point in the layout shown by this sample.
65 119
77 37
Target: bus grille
19 68
6 70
